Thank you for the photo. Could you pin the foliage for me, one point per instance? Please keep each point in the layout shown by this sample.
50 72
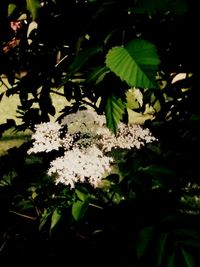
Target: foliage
134 62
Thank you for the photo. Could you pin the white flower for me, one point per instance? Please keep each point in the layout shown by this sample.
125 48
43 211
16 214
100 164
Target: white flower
88 146
84 121
46 137
76 165
127 137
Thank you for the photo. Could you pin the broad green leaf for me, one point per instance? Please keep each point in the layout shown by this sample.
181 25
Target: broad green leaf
33 6
55 218
136 63
115 109
144 238
151 7
11 9
189 259
79 209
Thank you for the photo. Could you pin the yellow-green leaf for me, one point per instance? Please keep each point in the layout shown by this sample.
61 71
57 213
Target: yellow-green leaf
33 6
138 118
11 9
134 98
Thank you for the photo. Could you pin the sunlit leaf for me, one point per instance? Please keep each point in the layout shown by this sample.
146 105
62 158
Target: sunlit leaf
34 195
157 106
138 118
33 6
11 9
134 98
115 109
136 63
32 26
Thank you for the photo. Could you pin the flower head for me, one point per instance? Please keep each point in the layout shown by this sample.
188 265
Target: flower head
46 137
88 145
89 165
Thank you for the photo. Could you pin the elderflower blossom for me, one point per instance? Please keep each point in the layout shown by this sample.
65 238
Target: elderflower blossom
80 166
88 145
46 137
84 121
127 137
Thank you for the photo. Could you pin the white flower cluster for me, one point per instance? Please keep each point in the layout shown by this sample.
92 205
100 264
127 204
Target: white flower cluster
88 145
89 165
46 137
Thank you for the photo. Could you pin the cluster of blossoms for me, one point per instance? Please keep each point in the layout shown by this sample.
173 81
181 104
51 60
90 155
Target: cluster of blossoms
88 145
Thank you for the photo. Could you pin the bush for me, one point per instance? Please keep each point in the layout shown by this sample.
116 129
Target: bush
131 62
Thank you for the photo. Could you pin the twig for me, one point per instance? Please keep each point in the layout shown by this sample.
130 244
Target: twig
23 215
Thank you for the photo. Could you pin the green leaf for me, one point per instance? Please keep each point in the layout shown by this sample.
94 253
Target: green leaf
115 109
82 196
171 259
44 218
79 209
157 170
33 6
136 63
83 57
98 74
189 259
151 7
25 205
55 218
80 60
11 9
161 248
144 238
